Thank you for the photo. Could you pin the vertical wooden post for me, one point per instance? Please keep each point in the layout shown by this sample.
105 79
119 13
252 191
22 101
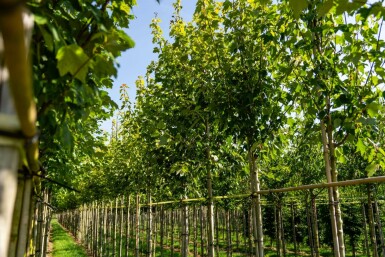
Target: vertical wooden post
121 226
128 226
195 229
162 225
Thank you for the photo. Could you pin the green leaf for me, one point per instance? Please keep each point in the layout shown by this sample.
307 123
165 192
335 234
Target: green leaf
337 123
360 146
297 6
371 168
66 137
40 20
373 109
72 59
163 140
47 38
325 8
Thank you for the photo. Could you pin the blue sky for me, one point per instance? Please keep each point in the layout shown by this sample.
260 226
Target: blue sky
133 63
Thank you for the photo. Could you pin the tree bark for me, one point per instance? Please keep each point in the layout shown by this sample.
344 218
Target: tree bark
372 228
185 231
364 225
333 216
210 202
256 210
149 226
379 226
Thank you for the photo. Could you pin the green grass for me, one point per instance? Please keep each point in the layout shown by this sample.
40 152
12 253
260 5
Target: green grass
63 244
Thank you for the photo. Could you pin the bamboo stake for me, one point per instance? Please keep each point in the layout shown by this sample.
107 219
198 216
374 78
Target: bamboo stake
128 226
195 231
162 223
115 228
137 226
121 227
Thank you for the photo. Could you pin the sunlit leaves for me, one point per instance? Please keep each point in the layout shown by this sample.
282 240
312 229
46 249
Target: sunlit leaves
72 59
298 6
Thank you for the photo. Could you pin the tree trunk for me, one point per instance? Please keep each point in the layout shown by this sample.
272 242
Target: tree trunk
256 210
334 175
216 226
210 203
293 225
173 214
309 227
195 228
229 251
372 228
364 225
379 226
162 225
333 216
201 231
282 230
185 231
314 222
149 226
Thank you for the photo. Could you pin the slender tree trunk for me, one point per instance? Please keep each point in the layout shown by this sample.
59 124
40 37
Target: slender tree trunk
121 227
114 246
162 225
364 225
149 225
109 225
216 226
173 214
210 202
256 205
309 227
282 230
201 231
333 216
372 228
334 175
379 226
315 225
229 251
195 228
237 226
293 225
185 231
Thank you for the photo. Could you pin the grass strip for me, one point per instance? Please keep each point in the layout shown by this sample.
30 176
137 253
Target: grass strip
63 244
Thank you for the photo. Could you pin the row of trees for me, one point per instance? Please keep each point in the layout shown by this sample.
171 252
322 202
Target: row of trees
250 95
